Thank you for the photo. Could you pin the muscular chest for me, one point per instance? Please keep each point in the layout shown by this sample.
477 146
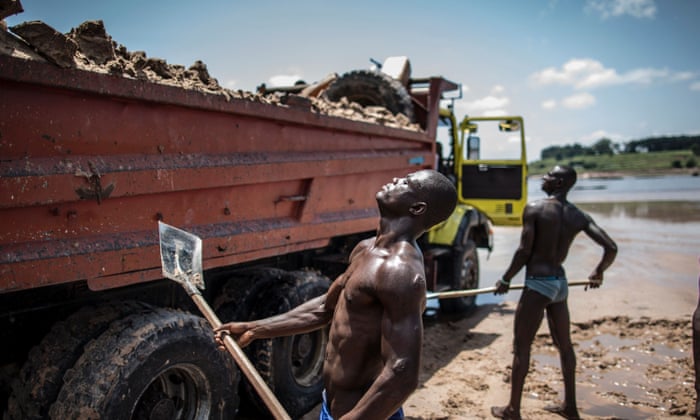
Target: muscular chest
360 282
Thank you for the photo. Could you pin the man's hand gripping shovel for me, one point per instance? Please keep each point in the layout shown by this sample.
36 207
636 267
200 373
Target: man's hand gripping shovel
181 260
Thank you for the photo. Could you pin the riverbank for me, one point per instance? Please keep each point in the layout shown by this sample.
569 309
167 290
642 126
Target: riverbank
618 174
633 335
665 162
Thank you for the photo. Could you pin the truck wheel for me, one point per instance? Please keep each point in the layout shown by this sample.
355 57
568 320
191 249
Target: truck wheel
464 275
163 364
240 292
372 88
292 366
41 376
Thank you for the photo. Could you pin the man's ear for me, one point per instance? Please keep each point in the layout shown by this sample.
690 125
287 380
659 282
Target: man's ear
418 208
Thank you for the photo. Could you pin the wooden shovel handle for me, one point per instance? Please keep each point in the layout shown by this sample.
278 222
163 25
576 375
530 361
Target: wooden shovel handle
450 294
243 362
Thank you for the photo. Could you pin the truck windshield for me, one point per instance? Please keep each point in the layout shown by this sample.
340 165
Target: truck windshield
491 143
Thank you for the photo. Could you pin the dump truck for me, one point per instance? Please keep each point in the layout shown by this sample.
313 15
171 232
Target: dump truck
279 192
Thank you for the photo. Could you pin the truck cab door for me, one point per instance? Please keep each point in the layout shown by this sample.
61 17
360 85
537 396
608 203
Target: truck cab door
492 167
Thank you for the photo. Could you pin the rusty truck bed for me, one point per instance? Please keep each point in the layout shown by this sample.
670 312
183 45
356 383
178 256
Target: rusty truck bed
90 162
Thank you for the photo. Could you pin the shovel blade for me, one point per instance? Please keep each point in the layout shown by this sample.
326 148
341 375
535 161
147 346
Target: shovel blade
181 256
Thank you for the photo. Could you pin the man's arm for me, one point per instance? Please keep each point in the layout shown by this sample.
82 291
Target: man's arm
524 251
610 251
306 317
402 294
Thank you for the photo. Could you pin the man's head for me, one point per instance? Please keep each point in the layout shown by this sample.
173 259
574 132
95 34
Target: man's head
426 194
559 179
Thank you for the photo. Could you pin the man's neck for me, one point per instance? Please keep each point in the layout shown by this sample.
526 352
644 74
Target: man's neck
392 231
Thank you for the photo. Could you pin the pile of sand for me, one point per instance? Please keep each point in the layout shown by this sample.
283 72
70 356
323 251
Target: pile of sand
89 47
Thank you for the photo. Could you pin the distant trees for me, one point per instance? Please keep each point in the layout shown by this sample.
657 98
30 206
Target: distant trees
605 146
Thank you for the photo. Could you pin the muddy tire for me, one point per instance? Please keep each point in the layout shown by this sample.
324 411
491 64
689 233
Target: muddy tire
163 364
241 292
372 88
291 366
41 377
463 269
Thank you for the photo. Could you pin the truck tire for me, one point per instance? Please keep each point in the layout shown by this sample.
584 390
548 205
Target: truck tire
163 364
41 377
372 88
291 366
463 269
239 294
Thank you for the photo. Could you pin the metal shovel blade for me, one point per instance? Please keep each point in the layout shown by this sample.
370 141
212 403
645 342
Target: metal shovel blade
181 259
181 256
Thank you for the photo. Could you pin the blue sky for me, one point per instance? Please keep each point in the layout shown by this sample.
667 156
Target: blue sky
576 70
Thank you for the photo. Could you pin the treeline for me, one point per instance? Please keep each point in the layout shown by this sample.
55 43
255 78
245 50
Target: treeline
606 146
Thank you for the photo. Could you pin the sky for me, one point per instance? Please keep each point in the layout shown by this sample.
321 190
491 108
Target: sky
577 71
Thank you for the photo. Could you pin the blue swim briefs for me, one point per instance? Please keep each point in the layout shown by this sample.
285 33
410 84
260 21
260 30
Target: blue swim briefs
326 413
553 287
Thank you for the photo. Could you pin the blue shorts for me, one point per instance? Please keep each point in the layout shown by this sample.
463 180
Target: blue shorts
553 287
326 413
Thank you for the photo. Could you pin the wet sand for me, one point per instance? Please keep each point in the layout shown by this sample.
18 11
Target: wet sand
633 335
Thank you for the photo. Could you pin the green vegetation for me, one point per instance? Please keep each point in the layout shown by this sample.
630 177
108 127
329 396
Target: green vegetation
675 161
656 155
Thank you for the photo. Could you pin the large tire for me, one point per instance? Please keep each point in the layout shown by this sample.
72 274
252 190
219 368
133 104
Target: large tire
163 364
292 366
41 376
372 88
463 269
241 292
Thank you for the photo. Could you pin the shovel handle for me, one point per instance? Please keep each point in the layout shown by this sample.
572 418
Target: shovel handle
243 362
473 292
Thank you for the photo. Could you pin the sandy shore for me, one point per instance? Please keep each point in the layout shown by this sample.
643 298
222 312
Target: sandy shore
633 335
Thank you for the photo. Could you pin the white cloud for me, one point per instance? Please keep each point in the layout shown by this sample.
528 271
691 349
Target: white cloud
579 101
640 9
494 113
231 84
600 134
695 86
587 73
549 104
486 104
284 80
497 90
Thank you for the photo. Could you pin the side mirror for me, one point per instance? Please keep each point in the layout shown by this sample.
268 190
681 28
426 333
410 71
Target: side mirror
509 125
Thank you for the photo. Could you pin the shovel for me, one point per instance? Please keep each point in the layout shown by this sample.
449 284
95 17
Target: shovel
473 292
181 260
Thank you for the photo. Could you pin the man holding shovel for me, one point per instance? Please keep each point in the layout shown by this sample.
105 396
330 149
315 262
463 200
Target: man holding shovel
549 227
374 309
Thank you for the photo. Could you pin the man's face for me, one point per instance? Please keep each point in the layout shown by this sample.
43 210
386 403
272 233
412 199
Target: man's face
398 194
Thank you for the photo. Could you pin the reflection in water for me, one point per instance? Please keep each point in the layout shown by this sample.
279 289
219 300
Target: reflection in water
661 211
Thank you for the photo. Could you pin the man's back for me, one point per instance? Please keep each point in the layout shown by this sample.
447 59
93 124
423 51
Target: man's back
556 223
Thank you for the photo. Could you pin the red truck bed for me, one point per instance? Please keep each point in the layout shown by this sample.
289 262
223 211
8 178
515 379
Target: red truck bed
90 162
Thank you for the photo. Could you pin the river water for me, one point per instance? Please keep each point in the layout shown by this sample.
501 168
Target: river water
654 220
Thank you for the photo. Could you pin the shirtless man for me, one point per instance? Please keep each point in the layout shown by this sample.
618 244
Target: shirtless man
549 228
374 309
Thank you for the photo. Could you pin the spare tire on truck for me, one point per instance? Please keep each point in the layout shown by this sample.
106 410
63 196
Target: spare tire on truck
162 364
371 88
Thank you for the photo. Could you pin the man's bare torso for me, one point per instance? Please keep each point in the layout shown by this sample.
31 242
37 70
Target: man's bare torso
353 354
